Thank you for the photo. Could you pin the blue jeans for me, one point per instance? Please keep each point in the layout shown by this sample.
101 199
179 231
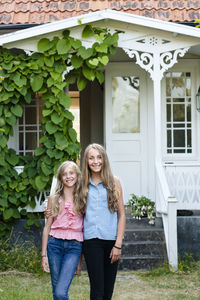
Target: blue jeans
63 257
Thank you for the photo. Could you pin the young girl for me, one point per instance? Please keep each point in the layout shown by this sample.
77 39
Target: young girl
63 232
104 222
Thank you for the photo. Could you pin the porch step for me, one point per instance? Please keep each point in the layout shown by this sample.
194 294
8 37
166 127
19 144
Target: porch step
144 244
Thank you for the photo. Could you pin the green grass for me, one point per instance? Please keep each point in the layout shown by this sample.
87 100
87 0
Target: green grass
129 286
30 283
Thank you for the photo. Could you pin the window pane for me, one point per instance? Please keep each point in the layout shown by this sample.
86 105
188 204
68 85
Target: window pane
188 87
169 138
125 105
30 115
189 112
178 112
189 138
31 141
168 113
179 138
178 87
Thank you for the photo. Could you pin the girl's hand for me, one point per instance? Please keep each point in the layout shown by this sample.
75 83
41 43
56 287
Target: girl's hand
115 254
45 264
47 213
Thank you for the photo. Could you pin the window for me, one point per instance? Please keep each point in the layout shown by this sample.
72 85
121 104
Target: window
28 131
125 104
29 127
178 112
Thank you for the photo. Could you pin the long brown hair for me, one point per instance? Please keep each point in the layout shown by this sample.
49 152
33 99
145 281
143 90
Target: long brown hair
107 177
59 188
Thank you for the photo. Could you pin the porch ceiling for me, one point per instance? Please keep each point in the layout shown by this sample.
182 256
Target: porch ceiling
136 30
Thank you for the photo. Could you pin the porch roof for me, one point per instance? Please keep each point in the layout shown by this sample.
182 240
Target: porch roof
105 16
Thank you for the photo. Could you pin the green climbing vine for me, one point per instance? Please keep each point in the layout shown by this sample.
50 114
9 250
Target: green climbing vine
42 72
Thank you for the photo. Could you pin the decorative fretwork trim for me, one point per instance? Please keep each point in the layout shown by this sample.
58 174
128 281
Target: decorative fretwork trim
164 60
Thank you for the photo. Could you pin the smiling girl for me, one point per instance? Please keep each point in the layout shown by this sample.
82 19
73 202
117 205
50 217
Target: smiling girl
104 222
63 232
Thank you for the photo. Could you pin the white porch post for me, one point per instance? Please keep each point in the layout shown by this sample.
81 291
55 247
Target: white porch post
172 234
157 106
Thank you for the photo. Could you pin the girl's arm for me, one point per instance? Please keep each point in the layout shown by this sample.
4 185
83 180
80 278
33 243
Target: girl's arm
46 230
116 253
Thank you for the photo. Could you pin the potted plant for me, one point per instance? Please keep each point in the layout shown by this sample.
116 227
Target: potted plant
142 207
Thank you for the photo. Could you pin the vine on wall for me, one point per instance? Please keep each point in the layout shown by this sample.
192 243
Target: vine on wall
21 77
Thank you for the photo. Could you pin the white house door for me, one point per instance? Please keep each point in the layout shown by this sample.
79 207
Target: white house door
126 126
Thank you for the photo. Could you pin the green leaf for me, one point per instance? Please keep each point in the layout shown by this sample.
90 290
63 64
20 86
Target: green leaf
50 128
76 44
39 151
40 184
104 60
102 48
12 120
85 53
100 76
12 200
94 62
50 153
55 118
65 101
19 80
63 46
3 141
87 31
46 169
28 97
17 110
36 83
12 159
61 141
72 134
76 61
81 84
68 115
44 45
3 202
46 112
8 213
49 61
16 213
88 73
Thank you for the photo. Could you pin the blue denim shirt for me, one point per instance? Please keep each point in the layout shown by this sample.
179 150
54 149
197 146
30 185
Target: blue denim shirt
99 222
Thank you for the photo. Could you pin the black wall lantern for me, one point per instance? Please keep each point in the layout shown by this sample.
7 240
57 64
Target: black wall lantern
198 100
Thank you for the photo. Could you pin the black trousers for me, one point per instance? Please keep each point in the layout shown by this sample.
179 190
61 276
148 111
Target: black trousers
102 273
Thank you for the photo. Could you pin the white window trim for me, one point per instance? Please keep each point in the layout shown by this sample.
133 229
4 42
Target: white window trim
192 66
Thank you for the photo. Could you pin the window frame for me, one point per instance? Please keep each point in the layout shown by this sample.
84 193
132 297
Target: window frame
191 66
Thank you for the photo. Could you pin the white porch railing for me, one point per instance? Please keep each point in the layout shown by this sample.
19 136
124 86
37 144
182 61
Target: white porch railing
184 183
178 187
166 206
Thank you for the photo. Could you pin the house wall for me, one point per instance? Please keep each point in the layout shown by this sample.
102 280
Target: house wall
91 115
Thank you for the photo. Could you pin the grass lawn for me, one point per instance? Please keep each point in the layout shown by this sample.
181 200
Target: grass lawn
158 284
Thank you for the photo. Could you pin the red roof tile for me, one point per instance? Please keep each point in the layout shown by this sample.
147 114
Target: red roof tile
43 11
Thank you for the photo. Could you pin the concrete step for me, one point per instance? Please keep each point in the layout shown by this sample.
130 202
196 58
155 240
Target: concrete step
144 234
143 245
128 263
143 248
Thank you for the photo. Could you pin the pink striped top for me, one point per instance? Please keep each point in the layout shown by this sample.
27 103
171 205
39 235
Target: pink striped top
67 225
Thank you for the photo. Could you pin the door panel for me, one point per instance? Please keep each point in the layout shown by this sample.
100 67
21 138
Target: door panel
126 126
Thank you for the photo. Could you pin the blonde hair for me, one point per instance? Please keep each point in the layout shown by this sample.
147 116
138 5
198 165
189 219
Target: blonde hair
59 188
107 177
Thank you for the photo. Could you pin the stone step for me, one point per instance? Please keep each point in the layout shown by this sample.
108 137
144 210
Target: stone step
143 223
143 248
145 234
128 263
